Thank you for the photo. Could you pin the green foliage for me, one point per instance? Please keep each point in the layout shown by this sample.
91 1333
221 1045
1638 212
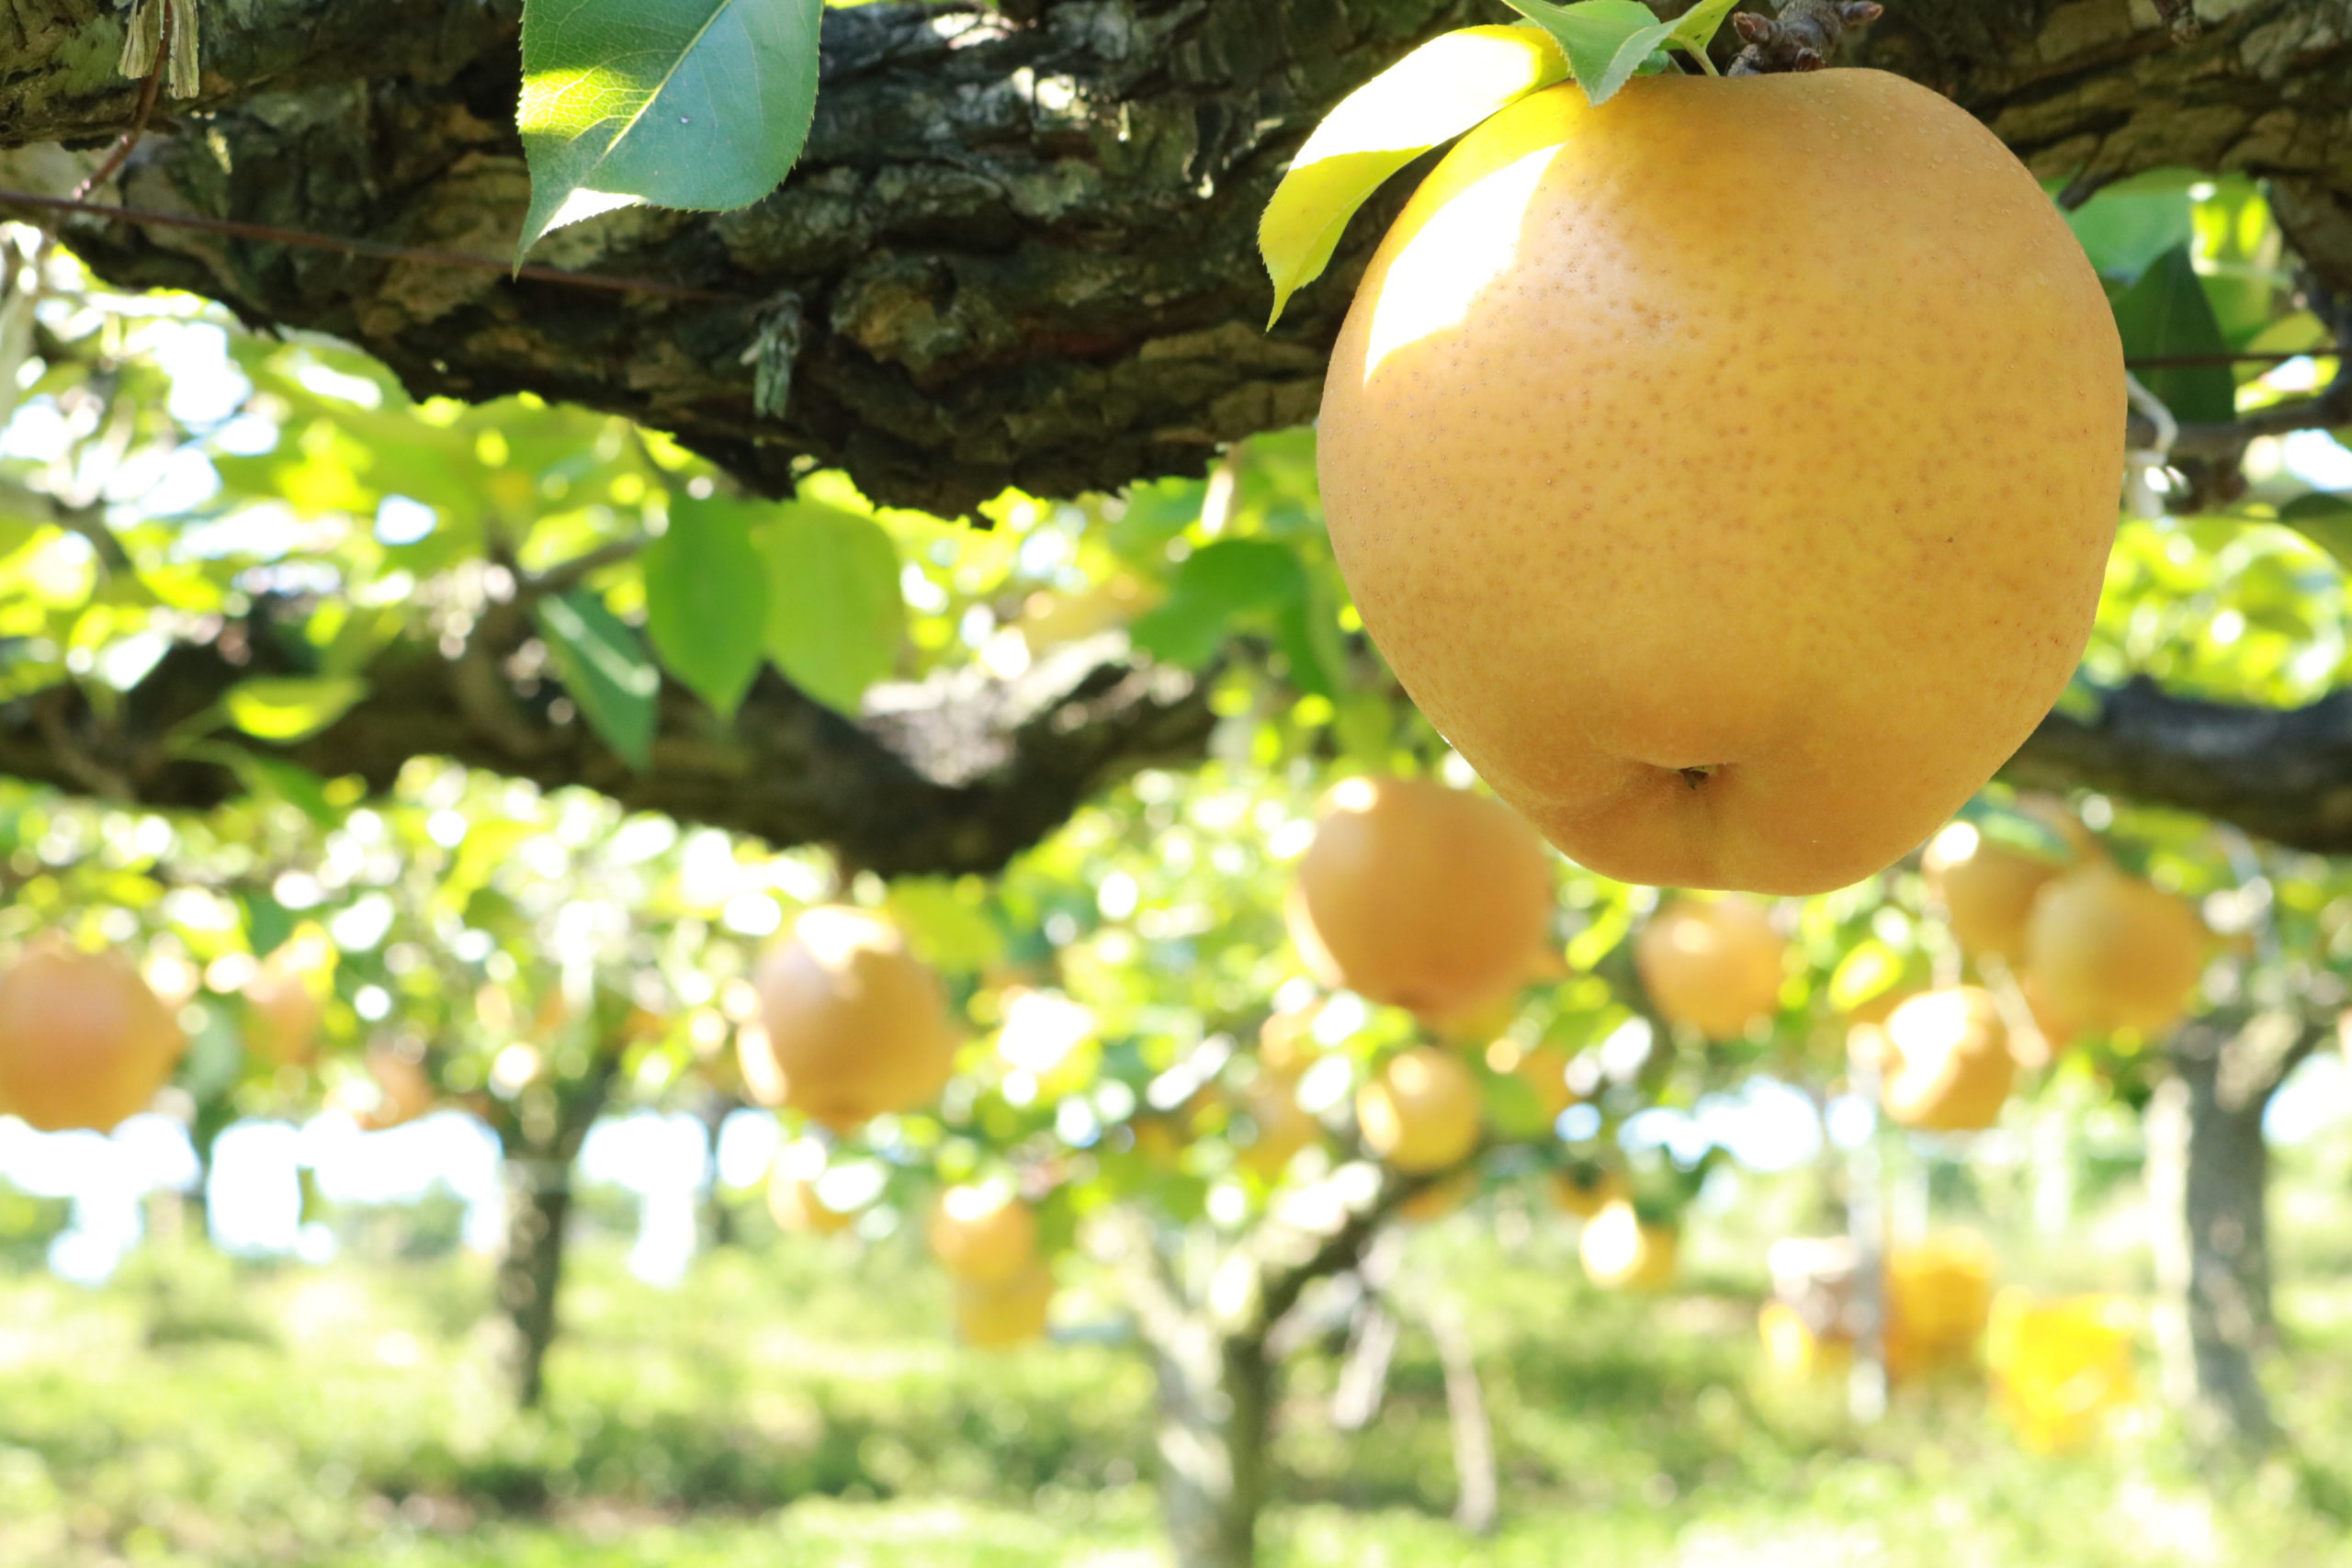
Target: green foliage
700 103
1609 41
291 709
2124 227
834 618
1446 87
605 669
2167 314
705 601
1430 96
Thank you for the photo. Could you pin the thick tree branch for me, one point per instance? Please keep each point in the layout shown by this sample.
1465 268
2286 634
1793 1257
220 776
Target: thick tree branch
2286 776
947 776
1020 248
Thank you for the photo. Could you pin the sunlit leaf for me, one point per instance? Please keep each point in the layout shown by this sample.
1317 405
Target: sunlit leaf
1216 584
947 923
1433 95
707 599
1607 42
2325 519
697 104
2126 226
1696 29
1869 969
606 671
835 616
292 708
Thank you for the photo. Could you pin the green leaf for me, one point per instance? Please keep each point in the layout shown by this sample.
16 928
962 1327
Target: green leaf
1215 586
707 599
268 922
2166 313
2325 519
1607 42
1696 29
1869 969
699 104
1308 630
2125 227
275 777
947 923
291 708
268 778
1433 95
606 670
835 617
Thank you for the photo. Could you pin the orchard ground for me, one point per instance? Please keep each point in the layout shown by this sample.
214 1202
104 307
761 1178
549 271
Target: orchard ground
799 1401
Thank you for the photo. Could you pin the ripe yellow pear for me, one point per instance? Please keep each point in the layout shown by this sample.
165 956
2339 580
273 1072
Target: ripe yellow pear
2105 951
985 1235
285 998
398 1089
1420 1112
1986 890
855 1024
794 1204
794 1201
84 1040
1283 1127
1795 1349
1286 1043
1621 1251
1012 1312
1728 472
1421 897
2063 1368
1947 1062
1939 1298
1712 964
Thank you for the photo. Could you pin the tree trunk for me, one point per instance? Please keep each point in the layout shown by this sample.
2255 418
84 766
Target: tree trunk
2208 1186
541 1142
717 1215
1215 1422
539 1206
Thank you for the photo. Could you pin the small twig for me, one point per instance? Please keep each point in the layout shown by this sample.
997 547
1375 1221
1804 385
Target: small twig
566 575
1124 1241
269 234
150 88
2199 361
1341 1249
48 713
113 559
2228 438
1363 1375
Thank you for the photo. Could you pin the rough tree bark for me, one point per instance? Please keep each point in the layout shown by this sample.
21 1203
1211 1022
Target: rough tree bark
1216 1421
1019 250
541 1141
2208 1175
1216 1354
1019 247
